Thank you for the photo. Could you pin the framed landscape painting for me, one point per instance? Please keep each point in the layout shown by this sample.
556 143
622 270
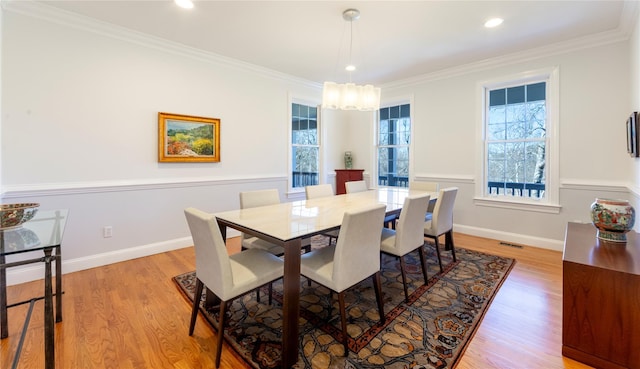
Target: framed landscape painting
185 138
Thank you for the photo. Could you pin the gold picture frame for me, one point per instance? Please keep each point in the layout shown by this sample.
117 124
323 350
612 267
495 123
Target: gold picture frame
186 138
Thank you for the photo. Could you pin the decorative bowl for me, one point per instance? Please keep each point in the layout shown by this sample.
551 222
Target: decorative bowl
13 215
613 219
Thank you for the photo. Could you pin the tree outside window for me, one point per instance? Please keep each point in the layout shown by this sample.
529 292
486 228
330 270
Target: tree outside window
304 145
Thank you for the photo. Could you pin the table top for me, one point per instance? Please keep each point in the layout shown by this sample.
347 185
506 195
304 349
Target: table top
43 231
583 247
298 219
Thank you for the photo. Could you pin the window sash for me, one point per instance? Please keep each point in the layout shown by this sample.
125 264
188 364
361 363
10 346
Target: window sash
393 145
516 141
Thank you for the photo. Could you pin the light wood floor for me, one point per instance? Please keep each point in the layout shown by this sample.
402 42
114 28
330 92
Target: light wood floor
131 315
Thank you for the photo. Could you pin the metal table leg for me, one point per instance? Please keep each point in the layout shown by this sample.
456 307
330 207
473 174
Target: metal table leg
49 346
58 260
4 323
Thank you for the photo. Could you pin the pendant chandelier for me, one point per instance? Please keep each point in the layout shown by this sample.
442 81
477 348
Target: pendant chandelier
349 96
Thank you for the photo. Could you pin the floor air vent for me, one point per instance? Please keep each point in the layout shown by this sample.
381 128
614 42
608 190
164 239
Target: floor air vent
511 245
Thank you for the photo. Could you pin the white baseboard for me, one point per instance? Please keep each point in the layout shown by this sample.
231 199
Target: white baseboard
36 271
544 243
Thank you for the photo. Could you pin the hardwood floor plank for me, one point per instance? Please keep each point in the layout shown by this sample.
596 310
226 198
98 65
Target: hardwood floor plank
131 315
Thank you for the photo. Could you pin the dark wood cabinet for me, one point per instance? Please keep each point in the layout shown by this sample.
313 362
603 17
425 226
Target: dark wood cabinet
600 299
346 175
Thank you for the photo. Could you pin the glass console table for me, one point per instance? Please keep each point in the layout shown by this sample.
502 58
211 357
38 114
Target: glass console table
42 233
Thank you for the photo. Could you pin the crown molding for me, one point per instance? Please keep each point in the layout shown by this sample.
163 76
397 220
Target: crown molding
628 18
62 17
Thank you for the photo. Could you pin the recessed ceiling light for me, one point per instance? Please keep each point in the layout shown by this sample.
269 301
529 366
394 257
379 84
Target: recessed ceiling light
493 22
350 68
187 4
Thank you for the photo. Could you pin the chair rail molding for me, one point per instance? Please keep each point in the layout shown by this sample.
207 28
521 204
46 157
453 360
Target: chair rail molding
76 188
595 185
448 178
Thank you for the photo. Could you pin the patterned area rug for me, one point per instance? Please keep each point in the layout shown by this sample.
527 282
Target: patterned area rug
431 331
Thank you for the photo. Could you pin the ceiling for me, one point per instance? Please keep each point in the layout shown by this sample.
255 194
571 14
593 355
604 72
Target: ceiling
392 40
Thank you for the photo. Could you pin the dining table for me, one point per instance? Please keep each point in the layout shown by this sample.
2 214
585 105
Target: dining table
288 223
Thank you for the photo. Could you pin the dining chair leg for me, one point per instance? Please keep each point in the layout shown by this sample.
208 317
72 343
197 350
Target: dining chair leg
196 304
378 288
438 253
270 293
221 319
258 294
330 311
449 241
343 322
423 262
404 279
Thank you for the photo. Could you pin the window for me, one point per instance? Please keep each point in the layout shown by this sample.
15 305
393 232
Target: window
304 145
519 165
394 139
516 140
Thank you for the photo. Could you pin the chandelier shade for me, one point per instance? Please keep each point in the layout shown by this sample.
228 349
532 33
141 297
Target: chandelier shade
349 96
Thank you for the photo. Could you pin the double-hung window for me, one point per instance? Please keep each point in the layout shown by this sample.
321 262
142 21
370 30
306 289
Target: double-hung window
304 145
520 141
394 139
516 140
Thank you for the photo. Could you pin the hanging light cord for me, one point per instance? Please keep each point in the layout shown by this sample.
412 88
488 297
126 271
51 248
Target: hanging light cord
350 66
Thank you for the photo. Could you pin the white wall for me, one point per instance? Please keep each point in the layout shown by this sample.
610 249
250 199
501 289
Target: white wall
594 85
79 131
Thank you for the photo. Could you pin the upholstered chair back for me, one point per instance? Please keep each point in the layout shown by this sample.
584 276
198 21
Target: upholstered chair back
410 226
443 212
357 252
355 186
213 266
252 199
318 191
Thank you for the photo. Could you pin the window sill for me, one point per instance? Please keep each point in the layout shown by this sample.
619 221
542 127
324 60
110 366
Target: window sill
511 203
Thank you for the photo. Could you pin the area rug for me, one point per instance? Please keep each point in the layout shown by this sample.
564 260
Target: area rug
431 331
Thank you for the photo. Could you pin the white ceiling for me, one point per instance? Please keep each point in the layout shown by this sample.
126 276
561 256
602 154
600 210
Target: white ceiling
393 40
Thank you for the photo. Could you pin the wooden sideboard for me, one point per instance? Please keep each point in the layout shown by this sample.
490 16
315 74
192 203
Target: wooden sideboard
346 175
601 299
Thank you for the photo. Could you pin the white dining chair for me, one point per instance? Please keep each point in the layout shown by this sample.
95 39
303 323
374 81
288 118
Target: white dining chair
355 186
442 222
361 186
228 277
354 258
252 199
426 186
408 235
319 191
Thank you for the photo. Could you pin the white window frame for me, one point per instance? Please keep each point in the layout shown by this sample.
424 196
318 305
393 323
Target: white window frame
386 104
308 102
550 203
